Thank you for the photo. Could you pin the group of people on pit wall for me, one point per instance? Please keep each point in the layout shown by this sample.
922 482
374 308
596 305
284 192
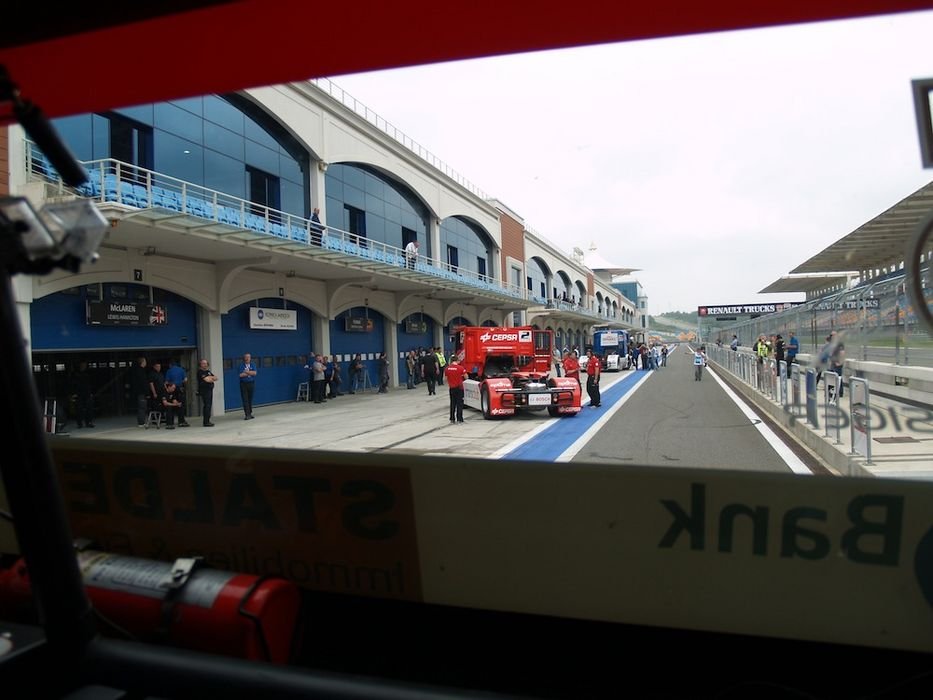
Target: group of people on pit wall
831 357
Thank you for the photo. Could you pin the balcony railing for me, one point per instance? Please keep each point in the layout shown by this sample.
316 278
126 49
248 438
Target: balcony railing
114 182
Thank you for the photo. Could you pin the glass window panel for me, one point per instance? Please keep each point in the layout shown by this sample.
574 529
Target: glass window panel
354 176
194 105
140 113
179 122
261 157
393 197
375 205
336 215
289 168
219 111
333 186
376 230
409 220
354 196
224 174
293 198
393 214
256 133
224 141
179 158
101 127
77 132
373 185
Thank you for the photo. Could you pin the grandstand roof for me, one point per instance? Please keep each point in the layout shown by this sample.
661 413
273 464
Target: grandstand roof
809 282
875 244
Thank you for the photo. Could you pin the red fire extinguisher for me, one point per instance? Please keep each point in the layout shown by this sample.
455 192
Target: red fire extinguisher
182 603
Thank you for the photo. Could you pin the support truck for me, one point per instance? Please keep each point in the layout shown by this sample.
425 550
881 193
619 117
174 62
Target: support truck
509 371
613 347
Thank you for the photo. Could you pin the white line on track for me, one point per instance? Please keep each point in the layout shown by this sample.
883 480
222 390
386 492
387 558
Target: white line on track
783 451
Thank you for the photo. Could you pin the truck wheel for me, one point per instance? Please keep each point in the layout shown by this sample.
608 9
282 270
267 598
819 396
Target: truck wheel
484 403
552 411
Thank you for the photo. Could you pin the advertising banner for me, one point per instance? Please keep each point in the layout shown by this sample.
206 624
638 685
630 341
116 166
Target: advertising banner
125 313
273 319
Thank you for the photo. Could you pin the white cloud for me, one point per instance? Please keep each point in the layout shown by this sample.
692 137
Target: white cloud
715 162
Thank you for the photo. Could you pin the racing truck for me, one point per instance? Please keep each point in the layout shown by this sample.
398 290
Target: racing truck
509 371
613 347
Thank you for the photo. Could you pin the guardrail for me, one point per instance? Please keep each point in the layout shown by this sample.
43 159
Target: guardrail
793 390
115 182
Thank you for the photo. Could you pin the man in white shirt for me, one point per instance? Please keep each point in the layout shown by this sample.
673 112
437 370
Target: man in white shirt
411 254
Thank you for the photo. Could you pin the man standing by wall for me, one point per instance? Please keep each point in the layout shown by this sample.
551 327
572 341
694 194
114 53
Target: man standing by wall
571 366
247 385
156 384
177 375
455 373
83 396
593 370
356 374
793 347
441 363
206 381
139 386
429 369
837 361
318 382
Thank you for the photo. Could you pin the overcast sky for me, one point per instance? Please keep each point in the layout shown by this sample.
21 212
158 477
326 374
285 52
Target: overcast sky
715 163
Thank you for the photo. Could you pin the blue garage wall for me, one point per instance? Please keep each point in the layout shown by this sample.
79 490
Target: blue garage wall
369 345
279 355
412 341
59 321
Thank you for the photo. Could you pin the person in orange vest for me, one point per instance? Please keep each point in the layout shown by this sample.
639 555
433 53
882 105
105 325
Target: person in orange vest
455 374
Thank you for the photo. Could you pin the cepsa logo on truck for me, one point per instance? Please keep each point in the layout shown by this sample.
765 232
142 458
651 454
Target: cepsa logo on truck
520 336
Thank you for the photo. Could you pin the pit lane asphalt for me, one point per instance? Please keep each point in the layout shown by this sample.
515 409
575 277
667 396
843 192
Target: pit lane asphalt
675 421
668 420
